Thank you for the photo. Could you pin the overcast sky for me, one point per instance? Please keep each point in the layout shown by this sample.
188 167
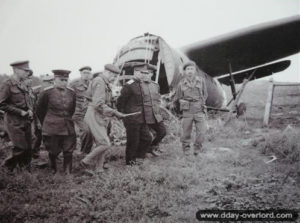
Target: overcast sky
71 33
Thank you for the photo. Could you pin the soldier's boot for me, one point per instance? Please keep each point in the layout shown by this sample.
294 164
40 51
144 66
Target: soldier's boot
197 149
68 163
100 159
11 163
153 151
186 149
25 160
52 159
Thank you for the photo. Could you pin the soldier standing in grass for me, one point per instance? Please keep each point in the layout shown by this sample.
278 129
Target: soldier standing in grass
17 104
55 108
80 86
98 114
190 97
158 127
138 95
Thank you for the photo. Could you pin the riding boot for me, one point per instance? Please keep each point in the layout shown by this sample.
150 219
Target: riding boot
52 159
67 163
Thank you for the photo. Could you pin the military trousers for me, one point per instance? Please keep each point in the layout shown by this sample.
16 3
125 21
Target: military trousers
55 144
199 120
160 132
85 134
138 141
21 137
37 140
98 127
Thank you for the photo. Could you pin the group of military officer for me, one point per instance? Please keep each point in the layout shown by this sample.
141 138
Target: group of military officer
58 110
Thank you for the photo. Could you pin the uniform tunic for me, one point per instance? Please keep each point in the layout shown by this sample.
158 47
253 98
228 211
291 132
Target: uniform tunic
15 98
80 87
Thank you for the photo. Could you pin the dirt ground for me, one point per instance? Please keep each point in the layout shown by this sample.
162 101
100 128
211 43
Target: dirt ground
243 166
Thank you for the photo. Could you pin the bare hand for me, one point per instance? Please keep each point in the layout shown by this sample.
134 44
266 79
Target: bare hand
30 114
24 113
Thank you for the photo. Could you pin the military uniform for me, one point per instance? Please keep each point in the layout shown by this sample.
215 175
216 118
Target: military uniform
97 117
191 97
47 81
15 99
139 96
55 109
86 136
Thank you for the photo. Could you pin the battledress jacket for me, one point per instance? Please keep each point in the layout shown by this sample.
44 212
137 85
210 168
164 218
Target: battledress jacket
15 98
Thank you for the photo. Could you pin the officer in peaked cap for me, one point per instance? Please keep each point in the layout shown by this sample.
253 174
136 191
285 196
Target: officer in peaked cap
17 104
80 86
139 94
55 108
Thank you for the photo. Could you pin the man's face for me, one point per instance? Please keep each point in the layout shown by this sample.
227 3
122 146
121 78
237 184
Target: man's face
190 71
138 74
110 76
86 74
22 74
148 75
60 82
28 81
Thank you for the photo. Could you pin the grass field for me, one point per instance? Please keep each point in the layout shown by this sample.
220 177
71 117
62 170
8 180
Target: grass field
233 172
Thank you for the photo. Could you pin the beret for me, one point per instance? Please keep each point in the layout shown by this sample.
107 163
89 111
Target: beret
112 68
85 68
61 73
189 63
23 65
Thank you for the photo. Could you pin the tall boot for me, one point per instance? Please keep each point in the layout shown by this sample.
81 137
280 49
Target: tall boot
68 163
52 159
11 163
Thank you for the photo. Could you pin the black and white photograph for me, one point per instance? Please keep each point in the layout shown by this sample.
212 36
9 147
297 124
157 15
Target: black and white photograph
149 111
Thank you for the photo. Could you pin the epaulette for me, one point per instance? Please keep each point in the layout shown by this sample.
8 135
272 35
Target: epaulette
71 89
130 81
48 88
